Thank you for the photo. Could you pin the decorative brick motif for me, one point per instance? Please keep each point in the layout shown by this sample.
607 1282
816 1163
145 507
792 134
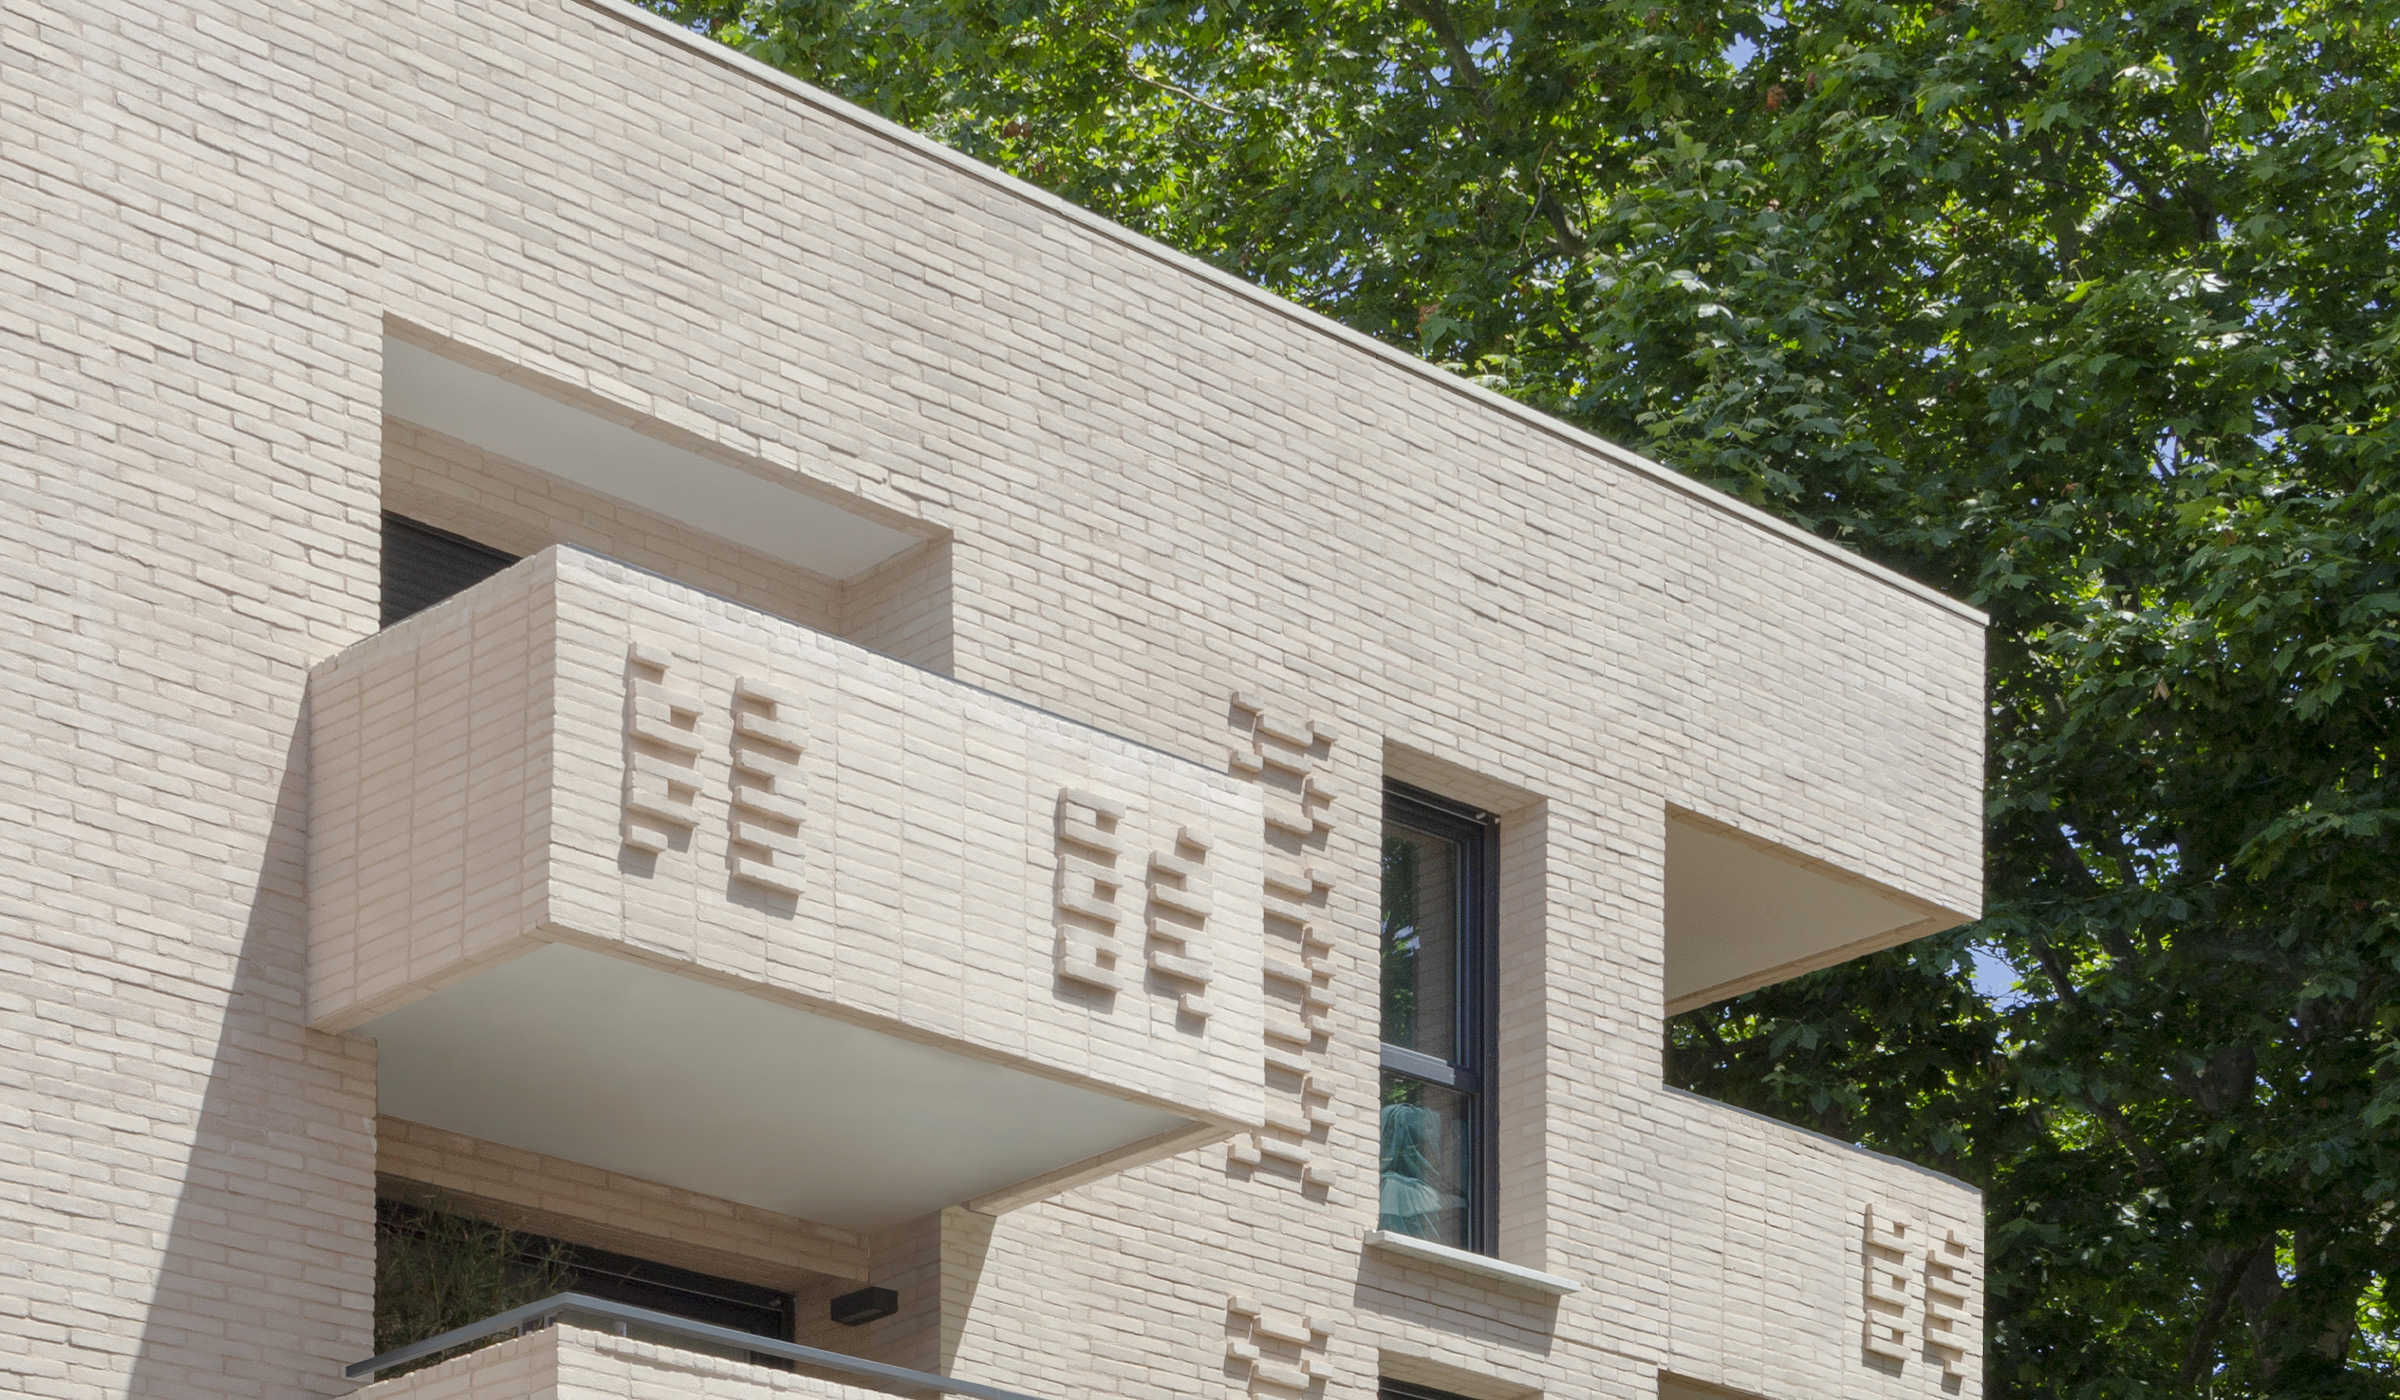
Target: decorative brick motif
664 734
1284 1352
1921 1292
1951 1277
1288 762
1179 913
1894 1246
662 738
1088 886
768 801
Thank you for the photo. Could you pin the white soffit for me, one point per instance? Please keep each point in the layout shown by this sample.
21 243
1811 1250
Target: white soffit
597 454
634 1069
1735 911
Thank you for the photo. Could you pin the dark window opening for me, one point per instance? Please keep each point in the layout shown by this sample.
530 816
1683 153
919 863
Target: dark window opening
1388 1389
423 565
436 1271
1440 905
642 1283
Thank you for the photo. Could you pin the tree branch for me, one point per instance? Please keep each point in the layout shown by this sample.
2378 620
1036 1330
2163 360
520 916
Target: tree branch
2056 969
1436 15
1134 70
2212 1317
2145 1162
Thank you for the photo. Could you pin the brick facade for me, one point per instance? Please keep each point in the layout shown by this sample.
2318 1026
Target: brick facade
1143 491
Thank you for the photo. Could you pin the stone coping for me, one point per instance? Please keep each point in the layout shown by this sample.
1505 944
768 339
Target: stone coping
1483 1266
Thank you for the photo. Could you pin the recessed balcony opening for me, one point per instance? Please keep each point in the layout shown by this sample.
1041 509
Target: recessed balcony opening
1742 914
485 462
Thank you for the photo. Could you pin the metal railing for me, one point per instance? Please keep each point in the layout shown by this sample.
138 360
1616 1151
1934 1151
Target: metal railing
544 1313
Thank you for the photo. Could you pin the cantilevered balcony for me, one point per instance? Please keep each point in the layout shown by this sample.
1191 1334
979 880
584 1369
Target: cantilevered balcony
623 873
1744 914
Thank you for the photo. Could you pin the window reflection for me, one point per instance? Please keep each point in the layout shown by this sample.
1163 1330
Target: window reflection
1420 942
1425 1153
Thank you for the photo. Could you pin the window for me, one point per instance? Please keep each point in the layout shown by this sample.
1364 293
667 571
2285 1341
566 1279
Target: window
436 1270
621 1278
423 565
1440 901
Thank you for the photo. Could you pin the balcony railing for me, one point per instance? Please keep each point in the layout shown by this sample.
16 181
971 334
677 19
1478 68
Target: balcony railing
619 1317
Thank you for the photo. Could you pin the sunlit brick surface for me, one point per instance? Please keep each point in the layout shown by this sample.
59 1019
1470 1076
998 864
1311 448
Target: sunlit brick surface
1155 490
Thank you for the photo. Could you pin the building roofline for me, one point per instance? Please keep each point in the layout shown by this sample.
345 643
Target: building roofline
842 110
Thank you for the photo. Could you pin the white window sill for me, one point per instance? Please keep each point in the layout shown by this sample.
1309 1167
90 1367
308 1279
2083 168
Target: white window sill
1459 1261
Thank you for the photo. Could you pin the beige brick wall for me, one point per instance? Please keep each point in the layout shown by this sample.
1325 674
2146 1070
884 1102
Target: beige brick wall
1157 489
901 607
189 447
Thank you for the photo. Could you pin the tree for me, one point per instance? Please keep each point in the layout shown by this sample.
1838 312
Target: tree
2081 311
436 1271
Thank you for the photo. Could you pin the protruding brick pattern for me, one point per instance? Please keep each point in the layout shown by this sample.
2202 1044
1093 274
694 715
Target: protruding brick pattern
769 798
932 833
1894 1254
1953 1290
1283 1352
1288 761
662 738
1089 887
1179 913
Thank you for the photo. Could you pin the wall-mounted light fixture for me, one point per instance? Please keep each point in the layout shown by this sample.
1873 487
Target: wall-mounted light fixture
865 1306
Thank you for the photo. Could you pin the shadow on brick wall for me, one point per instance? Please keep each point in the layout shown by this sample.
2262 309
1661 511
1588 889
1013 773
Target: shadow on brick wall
265 1273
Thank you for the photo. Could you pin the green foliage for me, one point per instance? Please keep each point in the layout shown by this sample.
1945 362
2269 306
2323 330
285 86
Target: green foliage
2083 311
435 1271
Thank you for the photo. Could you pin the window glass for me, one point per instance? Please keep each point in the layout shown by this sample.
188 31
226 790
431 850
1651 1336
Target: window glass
1439 897
1420 942
1426 1160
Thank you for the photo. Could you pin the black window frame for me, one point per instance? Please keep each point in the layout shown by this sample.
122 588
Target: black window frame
1477 835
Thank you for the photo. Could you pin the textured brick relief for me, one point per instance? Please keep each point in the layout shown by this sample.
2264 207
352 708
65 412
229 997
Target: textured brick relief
1950 1278
1894 1246
769 799
1920 1292
1179 913
662 744
1289 761
1088 886
1284 1353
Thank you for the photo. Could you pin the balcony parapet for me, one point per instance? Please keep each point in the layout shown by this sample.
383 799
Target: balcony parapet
1781 1241
583 805
583 1353
579 1312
